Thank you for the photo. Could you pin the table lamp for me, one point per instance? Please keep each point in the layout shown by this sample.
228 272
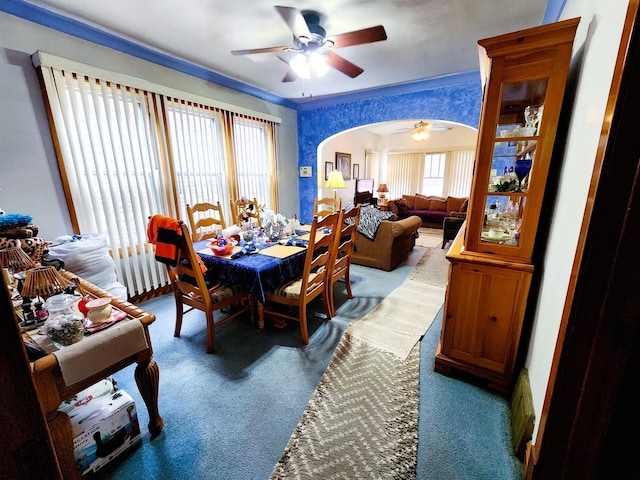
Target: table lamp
382 191
14 260
335 181
43 282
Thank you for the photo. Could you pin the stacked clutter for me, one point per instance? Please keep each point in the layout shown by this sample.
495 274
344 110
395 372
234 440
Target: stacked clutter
105 425
17 230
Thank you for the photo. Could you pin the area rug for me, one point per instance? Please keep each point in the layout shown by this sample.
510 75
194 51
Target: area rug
362 420
432 268
429 237
397 323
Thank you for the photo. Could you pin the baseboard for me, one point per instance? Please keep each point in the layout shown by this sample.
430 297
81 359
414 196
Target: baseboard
522 414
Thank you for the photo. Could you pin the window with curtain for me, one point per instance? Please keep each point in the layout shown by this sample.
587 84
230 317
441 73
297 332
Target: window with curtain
459 173
438 173
254 168
127 153
196 138
433 177
404 173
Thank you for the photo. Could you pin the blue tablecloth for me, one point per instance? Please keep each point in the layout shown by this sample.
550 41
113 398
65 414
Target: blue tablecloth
258 273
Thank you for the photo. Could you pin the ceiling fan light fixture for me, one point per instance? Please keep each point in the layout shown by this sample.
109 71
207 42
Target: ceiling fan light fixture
421 131
306 65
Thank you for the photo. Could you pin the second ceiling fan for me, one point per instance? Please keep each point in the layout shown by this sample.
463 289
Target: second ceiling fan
314 47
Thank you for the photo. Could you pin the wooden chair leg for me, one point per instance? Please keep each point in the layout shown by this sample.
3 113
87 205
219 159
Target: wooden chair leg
304 331
329 293
347 282
328 308
179 315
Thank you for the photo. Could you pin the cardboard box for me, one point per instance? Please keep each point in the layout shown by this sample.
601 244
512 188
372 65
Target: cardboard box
104 429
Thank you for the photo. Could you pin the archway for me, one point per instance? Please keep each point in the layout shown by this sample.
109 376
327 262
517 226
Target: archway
459 103
368 146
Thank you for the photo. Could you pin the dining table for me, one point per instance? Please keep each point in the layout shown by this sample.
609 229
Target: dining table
267 266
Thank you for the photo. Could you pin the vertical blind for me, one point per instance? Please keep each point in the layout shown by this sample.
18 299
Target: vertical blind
458 173
127 153
405 173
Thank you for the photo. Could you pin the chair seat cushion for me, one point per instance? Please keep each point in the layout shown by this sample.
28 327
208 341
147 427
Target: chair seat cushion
292 289
224 292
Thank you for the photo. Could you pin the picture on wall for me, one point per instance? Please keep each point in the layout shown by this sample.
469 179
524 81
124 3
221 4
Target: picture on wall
343 163
328 166
356 171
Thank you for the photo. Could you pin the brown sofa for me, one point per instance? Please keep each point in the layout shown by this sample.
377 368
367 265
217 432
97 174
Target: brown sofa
432 210
393 242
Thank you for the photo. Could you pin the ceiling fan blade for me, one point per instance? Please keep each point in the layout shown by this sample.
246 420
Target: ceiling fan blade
260 50
290 76
343 65
358 37
296 22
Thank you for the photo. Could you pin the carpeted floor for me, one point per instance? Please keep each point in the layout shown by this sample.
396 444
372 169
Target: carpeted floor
230 415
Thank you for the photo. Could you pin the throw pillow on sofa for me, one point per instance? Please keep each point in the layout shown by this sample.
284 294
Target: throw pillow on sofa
422 203
410 201
438 205
454 204
402 205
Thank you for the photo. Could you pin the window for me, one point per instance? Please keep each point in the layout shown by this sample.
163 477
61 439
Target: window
197 150
128 153
433 177
252 160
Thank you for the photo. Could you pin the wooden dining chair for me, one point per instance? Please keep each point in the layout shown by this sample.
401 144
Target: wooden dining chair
299 292
206 220
192 290
326 206
341 253
251 208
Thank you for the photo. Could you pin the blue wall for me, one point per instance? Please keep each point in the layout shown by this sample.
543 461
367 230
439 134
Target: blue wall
456 103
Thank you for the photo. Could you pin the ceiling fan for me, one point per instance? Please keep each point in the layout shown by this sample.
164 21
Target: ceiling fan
314 47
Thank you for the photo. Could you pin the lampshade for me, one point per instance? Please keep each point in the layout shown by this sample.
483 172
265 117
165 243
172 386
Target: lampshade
335 180
382 191
310 64
421 131
15 259
43 282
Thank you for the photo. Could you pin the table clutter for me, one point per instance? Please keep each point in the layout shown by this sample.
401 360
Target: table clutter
264 258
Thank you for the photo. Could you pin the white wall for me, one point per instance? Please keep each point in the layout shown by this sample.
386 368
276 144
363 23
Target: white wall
596 46
29 178
354 142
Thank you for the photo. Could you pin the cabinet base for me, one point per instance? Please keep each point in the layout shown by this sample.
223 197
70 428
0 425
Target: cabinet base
472 374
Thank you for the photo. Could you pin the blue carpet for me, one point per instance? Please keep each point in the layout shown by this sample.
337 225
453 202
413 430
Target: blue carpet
464 431
230 415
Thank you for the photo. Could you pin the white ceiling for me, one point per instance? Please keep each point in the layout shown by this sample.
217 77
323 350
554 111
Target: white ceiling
426 38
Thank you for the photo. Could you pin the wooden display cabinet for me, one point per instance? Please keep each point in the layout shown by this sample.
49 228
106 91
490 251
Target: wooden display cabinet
524 75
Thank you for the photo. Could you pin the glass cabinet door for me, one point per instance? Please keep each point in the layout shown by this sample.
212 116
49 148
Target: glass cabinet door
512 163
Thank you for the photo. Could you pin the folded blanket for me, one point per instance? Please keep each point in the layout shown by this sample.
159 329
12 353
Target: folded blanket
370 220
165 233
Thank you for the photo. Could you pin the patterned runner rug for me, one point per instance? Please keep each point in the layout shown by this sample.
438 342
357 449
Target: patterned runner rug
362 421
